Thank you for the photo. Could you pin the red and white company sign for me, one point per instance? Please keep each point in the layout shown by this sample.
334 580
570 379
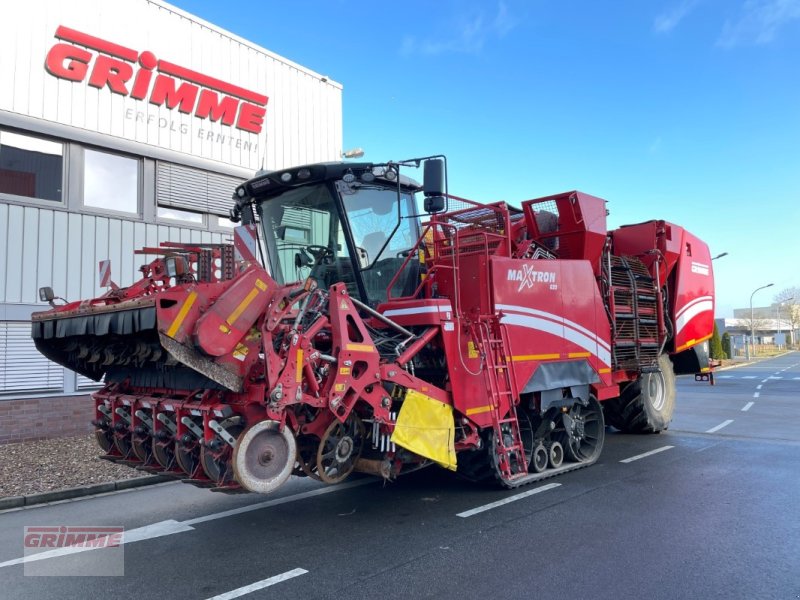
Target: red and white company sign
130 73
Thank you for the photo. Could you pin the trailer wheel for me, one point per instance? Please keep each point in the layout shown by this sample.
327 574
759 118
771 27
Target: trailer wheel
645 405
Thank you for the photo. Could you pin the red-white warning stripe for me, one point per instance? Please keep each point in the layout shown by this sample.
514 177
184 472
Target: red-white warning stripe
245 240
104 271
691 309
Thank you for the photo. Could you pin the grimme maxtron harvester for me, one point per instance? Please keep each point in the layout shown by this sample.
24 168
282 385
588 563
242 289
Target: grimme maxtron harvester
491 340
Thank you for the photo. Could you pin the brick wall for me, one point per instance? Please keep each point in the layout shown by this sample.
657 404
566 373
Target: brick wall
40 418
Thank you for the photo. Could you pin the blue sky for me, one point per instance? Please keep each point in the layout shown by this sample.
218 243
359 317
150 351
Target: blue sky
684 110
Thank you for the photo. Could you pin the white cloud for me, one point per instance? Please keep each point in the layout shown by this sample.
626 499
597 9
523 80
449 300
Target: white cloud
469 37
669 20
759 22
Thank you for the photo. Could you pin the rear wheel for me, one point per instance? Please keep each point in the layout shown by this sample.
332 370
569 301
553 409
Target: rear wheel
645 405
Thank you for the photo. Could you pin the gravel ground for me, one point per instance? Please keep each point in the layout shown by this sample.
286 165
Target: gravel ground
47 465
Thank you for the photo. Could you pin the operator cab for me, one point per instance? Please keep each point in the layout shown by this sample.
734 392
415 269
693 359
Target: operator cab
353 223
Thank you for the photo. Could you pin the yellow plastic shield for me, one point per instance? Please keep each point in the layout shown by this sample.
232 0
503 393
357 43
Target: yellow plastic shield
425 426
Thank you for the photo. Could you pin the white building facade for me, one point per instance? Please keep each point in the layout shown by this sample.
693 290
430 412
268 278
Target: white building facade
123 125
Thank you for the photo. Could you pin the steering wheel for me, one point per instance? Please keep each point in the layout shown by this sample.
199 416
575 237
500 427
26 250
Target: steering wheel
319 252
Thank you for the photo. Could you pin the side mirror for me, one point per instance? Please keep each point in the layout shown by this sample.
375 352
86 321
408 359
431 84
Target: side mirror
46 294
433 185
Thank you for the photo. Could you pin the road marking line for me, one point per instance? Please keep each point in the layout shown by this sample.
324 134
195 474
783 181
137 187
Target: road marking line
773 377
750 377
259 585
758 387
171 526
485 507
756 394
747 406
278 501
796 378
724 376
764 380
638 456
139 534
720 426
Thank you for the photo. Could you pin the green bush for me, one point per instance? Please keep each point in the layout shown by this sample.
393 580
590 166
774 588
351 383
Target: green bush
716 345
726 344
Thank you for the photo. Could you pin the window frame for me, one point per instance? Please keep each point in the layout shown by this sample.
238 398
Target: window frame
65 162
80 169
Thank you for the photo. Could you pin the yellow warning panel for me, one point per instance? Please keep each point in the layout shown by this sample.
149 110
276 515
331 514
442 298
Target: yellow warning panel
425 426
472 350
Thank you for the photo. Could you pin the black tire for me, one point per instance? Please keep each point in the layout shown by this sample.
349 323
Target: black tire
645 405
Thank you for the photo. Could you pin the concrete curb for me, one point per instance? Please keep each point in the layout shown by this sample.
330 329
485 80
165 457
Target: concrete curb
77 492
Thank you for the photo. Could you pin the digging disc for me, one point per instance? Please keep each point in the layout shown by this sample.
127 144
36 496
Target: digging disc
264 457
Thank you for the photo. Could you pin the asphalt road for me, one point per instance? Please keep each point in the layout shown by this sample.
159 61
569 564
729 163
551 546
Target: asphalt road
711 512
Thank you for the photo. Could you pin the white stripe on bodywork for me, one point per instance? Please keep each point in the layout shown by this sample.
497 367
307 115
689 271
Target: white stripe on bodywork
559 319
418 310
559 330
691 312
688 305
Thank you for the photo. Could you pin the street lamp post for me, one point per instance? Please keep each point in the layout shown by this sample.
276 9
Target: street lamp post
752 328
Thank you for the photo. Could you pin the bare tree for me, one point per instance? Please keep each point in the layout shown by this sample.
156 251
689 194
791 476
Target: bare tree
789 301
755 325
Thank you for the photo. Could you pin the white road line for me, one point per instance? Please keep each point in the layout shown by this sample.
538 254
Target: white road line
485 507
277 501
764 380
134 535
750 377
724 376
171 526
758 387
796 378
773 377
756 394
720 426
259 585
638 456
747 406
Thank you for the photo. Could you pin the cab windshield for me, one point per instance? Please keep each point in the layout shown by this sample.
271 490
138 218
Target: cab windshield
304 236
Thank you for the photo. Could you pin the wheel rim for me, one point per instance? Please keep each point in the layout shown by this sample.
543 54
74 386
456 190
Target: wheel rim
585 432
556 455
539 459
339 449
264 456
656 390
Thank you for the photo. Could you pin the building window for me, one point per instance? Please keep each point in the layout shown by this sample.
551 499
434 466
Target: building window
173 214
31 167
225 223
110 181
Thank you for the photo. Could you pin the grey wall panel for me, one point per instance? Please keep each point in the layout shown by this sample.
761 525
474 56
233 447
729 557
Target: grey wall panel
16 225
74 245
87 259
46 249
3 246
58 281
